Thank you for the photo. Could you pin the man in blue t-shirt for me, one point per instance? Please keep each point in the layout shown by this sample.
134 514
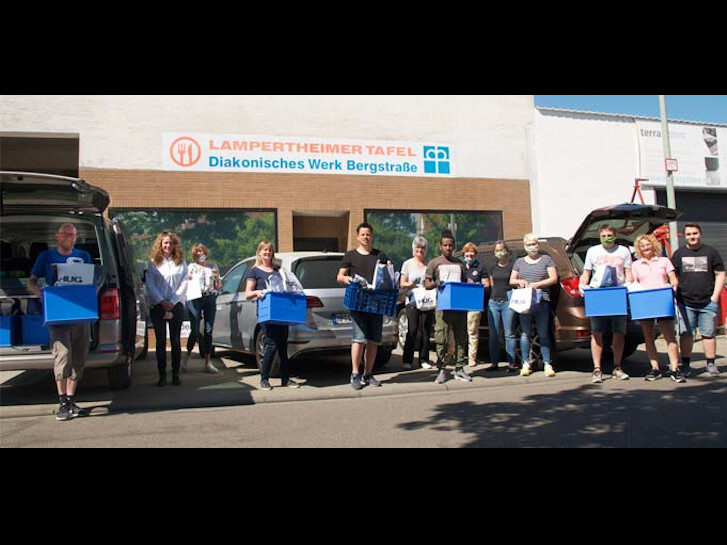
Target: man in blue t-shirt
69 342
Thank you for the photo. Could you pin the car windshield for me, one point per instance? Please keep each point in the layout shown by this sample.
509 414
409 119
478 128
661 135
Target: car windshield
319 273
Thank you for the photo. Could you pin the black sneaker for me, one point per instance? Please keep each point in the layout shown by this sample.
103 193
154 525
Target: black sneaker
370 381
74 410
686 371
356 382
175 380
677 376
265 384
653 374
64 412
162 380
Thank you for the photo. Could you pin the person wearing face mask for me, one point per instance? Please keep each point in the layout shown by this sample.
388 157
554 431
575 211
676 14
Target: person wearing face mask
419 322
536 271
599 259
475 272
651 270
207 275
498 309
447 268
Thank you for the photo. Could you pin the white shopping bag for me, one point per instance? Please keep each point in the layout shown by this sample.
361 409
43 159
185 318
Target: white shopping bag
194 287
523 300
74 272
424 299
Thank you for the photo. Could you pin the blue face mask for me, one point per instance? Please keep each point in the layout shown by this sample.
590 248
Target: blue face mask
469 261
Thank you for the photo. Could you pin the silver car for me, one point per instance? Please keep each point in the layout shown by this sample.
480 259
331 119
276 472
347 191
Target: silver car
328 325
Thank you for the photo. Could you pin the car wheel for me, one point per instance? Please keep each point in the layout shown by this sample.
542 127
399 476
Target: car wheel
260 350
402 327
120 375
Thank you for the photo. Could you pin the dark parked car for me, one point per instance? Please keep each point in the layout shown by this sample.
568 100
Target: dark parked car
570 328
32 207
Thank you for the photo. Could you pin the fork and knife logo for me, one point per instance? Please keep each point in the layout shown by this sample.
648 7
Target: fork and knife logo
185 151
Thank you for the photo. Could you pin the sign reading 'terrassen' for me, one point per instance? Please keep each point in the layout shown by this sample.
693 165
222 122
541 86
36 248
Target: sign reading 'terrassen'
229 153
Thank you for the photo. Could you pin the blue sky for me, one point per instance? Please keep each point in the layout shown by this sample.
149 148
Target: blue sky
703 108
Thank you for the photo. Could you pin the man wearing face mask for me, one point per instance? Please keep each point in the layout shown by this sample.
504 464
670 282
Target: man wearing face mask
447 268
600 260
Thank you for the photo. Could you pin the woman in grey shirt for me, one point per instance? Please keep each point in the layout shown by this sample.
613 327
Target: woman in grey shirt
536 271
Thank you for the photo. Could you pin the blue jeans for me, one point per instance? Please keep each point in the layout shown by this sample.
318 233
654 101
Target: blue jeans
366 327
196 307
541 316
691 318
498 312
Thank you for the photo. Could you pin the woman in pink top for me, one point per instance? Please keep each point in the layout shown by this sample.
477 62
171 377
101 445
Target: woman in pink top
652 271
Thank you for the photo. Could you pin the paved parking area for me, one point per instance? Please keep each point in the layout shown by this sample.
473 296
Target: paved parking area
31 393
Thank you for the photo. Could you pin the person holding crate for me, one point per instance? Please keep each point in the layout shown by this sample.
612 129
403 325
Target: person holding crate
652 270
447 268
602 259
701 274
257 280
166 286
70 343
536 271
475 272
359 265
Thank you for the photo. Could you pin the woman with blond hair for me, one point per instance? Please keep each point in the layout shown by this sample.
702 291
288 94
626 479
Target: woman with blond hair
205 276
166 283
475 272
276 336
536 271
651 270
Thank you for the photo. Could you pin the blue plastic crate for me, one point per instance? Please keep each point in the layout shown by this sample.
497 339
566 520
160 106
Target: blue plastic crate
7 330
374 301
282 308
606 301
33 331
63 305
653 303
461 296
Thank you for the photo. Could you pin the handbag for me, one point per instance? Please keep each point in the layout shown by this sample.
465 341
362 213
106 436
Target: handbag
524 300
424 299
74 272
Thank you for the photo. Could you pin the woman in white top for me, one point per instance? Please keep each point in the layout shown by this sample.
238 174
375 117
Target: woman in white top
203 283
419 322
166 283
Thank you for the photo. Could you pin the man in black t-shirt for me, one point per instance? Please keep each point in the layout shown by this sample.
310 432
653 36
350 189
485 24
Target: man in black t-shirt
701 275
367 326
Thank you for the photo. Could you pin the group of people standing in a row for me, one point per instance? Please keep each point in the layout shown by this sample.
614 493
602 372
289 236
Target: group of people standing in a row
695 272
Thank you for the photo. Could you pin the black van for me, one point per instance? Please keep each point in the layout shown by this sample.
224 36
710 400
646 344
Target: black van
32 207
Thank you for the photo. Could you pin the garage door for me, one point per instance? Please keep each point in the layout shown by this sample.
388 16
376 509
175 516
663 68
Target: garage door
708 209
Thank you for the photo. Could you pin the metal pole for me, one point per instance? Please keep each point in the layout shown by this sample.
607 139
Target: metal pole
670 196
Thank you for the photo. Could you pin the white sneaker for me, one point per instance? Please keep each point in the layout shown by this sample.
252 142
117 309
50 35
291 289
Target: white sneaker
549 371
427 366
525 371
619 374
209 368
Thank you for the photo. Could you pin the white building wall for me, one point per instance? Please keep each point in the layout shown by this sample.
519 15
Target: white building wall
581 162
488 133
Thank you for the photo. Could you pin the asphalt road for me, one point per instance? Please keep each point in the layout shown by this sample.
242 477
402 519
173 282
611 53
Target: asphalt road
496 410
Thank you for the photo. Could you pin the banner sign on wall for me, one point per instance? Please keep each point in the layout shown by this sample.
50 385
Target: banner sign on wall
697 149
275 154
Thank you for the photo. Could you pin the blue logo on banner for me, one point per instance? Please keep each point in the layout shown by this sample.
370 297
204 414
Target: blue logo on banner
436 160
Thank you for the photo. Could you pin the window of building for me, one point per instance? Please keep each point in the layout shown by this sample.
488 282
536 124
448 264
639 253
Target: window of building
395 230
230 234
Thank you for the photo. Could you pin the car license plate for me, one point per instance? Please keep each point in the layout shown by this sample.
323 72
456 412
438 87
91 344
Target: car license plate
340 319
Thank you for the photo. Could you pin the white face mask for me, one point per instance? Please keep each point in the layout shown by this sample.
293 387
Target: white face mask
202 258
532 248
